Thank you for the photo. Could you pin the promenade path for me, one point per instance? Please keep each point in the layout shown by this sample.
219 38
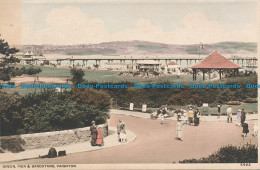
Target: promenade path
156 143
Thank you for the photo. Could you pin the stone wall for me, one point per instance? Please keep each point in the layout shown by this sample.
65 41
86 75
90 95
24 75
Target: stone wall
18 143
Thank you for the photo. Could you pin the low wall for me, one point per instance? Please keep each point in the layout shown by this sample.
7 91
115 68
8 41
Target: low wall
18 143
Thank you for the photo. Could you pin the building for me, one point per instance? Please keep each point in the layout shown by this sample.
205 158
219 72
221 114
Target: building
30 58
173 67
215 62
115 66
146 65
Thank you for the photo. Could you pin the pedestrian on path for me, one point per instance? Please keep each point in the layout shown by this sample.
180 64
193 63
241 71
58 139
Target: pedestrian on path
196 117
93 132
119 129
238 117
179 130
245 130
184 117
123 138
100 137
190 116
243 116
255 129
161 118
219 110
229 114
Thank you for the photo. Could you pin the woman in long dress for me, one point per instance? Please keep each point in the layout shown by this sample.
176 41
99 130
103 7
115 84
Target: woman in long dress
123 133
100 137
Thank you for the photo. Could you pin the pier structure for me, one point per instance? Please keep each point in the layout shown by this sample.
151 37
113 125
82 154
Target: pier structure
186 60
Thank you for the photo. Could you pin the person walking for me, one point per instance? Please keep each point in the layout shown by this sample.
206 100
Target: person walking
179 130
93 131
161 117
184 117
255 129
219 110
238 117
100 137
123 133
245 129
196 117
229 114
190 116
119 129
243 116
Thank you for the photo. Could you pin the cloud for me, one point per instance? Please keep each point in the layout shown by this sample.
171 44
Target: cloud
69 25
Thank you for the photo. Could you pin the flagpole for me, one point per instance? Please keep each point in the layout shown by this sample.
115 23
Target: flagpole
200 45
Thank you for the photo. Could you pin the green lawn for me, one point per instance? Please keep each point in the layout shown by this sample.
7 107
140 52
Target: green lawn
249 107
111 76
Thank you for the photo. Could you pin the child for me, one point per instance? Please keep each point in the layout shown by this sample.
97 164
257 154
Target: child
161 118
123 133
100 137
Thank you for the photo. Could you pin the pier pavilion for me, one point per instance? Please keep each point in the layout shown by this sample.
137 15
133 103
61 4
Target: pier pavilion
214 62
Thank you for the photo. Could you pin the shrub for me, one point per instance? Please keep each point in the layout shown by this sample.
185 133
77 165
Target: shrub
149 111
100 99
233 103
251 100
230 154
31 71
49 111
77 75
185 97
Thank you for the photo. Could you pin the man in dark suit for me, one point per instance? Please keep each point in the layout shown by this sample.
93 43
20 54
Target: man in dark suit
93 130
243 116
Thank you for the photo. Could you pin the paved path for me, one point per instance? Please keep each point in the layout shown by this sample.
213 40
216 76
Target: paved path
109 141
203 118
155 143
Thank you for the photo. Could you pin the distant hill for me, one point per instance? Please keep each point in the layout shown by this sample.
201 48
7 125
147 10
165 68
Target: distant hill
143 47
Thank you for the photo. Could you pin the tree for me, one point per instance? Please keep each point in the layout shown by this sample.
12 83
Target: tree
136 96
185 97
5 49
99 99
77 75
5 72
10 117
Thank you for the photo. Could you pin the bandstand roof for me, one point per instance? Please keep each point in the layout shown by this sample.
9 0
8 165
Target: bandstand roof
216 60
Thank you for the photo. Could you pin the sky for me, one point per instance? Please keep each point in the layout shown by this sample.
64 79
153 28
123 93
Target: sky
170 22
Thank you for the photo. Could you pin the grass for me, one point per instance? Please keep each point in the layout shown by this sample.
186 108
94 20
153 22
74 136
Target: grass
110 76
249 107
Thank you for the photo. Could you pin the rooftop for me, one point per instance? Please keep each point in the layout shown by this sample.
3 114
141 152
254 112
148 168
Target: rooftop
216 60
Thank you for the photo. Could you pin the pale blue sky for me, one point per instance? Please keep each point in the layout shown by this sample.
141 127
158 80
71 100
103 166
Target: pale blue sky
158 21
167 15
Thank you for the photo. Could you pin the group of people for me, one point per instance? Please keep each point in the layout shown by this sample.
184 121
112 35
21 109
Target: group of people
241 118
192 118
96 135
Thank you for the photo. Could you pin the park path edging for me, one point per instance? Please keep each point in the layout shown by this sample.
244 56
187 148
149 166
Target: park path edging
109 141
